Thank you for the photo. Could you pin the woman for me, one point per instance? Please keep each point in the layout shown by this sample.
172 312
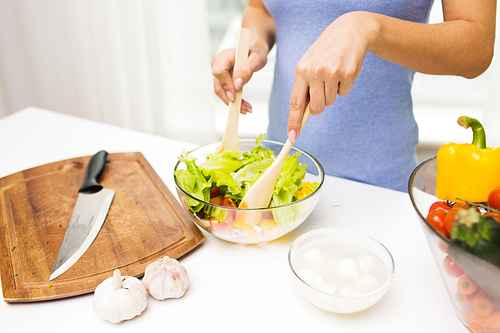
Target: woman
354 61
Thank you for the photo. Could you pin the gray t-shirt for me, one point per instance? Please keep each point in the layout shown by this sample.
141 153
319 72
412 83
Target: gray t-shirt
370 135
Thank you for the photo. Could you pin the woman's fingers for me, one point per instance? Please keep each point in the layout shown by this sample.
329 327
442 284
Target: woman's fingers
298 103
331 91
317 98
226 83
222 65
245 107
219 91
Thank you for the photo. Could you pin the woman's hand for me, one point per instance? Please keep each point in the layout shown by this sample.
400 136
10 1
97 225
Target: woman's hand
256 18
222 69
330 66
461 45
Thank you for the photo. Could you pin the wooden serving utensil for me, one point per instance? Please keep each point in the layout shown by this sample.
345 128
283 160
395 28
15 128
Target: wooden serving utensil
260 193
230 138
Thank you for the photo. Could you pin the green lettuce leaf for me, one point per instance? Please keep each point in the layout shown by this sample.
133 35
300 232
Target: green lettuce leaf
193 182
225 179
248 175
289 181
227 161
235 172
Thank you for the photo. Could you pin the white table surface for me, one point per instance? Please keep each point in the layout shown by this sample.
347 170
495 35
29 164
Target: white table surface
235 288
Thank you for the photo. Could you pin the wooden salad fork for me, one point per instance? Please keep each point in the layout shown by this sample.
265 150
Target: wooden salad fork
230 138
260 193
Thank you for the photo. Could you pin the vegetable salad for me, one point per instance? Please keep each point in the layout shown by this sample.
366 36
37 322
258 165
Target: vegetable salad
225 177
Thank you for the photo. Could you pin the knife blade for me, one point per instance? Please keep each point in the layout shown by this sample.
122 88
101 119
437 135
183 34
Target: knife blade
88 216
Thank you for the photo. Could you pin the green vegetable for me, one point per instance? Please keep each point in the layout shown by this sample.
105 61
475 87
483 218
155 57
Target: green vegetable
233 173
477 234
248 175
194 182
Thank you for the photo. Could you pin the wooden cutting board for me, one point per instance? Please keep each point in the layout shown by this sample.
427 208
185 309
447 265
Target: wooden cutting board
145 222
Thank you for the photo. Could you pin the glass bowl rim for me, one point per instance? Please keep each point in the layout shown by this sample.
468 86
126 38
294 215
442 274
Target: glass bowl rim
324 293
316 162
412 199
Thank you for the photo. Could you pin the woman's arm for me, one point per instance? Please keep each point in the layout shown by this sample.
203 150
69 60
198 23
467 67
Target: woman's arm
257 19
461 45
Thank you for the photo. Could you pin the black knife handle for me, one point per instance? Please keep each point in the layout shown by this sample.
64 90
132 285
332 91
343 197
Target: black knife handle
94 169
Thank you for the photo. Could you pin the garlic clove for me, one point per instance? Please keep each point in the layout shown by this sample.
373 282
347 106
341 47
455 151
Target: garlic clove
119 298
166 278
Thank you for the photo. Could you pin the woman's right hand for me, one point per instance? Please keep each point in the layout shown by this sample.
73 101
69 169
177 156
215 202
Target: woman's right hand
226 84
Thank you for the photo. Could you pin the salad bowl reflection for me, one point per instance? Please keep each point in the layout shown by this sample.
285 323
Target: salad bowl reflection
471 282
223 218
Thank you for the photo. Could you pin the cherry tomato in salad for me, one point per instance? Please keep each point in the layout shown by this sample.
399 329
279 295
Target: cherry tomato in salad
439 205
451 268
494 198
228 202
436 219
214 191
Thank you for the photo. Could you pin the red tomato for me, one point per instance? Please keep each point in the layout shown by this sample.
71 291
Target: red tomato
228 202
439 205
214 191
494 198
451 267
494 215
451 217
436 219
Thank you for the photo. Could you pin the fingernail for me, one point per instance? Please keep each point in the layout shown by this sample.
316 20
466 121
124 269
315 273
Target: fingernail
229 96
238 83
292 136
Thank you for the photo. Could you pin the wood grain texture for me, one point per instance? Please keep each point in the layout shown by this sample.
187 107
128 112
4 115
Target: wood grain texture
145 222
231 137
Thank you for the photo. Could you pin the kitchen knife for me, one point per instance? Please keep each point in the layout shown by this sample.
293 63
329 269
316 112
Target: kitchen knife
88 216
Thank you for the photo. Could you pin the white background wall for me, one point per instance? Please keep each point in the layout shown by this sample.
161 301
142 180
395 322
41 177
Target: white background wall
138 64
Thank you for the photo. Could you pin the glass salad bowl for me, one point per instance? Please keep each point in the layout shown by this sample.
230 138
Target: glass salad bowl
471 283
248 225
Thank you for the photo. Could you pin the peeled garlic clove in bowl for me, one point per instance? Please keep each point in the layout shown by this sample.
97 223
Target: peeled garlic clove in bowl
166 278
119 298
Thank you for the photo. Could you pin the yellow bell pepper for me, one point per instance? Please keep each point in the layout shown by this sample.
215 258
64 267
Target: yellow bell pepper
303 191
468 171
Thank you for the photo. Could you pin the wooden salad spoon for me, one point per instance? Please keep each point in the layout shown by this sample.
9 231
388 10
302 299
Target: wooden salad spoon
230 138
260 193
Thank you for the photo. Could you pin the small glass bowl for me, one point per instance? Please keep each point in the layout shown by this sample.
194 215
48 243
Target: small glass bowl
331 240
268 223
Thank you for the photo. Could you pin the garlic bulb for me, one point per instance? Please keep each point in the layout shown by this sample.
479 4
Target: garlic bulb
166 278
119 298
